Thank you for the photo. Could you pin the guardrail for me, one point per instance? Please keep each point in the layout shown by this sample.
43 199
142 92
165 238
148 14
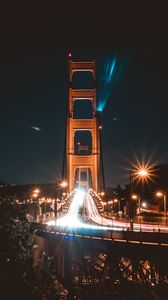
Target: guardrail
141 238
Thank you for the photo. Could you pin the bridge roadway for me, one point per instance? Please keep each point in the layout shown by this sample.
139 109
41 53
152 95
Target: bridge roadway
84 220
83 210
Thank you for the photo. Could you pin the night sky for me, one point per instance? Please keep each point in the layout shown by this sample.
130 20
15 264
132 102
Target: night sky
35 40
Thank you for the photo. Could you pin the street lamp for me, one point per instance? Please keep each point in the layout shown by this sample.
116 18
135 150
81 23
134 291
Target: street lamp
115 202
142 173
136 197
139 173
144 204
162 194
35 195
63 184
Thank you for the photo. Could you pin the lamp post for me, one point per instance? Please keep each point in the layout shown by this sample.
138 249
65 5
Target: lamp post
115 202
163 194
35 195
63 185
139 173
137 197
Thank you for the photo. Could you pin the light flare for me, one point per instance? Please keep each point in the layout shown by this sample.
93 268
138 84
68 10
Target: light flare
71 219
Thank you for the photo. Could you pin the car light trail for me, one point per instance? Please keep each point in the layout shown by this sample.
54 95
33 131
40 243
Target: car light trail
84 203
72 218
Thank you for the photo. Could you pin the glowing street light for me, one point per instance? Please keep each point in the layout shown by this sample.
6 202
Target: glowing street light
142 173
159 194
34 195
162 194
115 202
144 204
138 173
136 197
63 184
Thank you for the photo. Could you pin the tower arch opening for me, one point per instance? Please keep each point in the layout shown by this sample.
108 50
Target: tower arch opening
82 142
83 109
82 80
83 179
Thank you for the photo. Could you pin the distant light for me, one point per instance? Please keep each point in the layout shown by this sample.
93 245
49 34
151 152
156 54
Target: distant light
100 127
115 200
70 55
63 184
159 194
134 196
144 204
34 195
78 143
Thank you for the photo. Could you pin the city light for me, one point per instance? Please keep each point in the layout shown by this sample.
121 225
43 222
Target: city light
164 195
159 194
34 195
63 184
134 197
144 204
115 200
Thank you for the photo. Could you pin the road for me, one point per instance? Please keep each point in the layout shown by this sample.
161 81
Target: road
84 213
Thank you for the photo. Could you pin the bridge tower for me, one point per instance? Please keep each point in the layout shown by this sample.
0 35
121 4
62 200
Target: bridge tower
82 170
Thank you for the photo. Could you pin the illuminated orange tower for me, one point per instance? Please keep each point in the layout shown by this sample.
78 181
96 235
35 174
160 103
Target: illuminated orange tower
82 171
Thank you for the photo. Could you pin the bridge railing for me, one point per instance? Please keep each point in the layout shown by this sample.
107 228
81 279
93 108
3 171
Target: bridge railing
125 236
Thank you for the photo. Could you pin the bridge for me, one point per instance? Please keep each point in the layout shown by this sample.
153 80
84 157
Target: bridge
82 227
83 169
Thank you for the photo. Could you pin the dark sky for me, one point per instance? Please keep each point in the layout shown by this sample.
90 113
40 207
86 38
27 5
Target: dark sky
35 39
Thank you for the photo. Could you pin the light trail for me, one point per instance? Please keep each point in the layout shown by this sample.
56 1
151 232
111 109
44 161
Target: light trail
91 212
72 219
83 213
